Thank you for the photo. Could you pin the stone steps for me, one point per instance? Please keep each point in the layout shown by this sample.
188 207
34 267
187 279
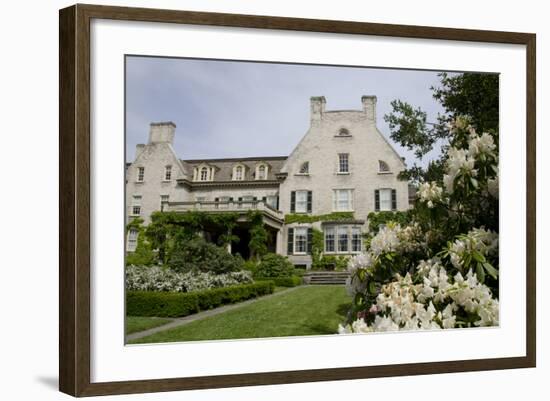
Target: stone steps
326 278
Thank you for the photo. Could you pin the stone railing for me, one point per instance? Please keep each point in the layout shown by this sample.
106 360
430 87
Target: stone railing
231 206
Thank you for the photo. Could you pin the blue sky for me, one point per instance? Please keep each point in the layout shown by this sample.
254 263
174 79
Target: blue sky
242 109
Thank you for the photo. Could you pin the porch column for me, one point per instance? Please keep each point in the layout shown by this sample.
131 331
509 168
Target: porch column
229 243
279 242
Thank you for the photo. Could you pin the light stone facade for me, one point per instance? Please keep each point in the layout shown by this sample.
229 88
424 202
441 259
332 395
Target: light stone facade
343 151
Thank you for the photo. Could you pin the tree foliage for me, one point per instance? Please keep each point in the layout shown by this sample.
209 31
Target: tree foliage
473 95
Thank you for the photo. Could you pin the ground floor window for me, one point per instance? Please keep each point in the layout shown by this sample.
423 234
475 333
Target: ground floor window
343 239
300 240
132 240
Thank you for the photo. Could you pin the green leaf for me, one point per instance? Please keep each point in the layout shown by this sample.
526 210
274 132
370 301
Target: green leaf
478 257
480 273
389 256
372 288
491 270
474 182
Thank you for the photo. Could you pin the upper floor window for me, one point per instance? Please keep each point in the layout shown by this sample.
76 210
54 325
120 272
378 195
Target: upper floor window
385 199
164 199
141 174
167 173
261 172
343 163
344 132
383 167
136 205
204 174
238 173
301 201
343 200
304 168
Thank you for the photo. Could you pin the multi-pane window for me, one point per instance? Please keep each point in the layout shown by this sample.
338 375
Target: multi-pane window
343 200
167 173
329 239
131 244
262 172
343 162
204 174
164 199
304 168
343 238
136 205
223 202
385 199
141 174
238 173
356 239
301 201
300 240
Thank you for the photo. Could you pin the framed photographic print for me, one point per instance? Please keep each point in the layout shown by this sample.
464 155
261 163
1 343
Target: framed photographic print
250 200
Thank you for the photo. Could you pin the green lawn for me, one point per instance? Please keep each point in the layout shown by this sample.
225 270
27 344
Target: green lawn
135 324
307 310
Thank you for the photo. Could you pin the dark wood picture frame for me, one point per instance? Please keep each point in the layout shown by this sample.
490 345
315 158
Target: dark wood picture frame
74 202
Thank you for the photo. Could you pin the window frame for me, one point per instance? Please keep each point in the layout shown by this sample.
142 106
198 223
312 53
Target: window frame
384 190
381 170
295 240
300 191
130 238
140 176
336 199
343 160
167 173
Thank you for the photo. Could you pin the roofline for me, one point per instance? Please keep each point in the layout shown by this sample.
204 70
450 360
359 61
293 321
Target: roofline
236 159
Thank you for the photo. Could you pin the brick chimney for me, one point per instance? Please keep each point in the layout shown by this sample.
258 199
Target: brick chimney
369 107
317 107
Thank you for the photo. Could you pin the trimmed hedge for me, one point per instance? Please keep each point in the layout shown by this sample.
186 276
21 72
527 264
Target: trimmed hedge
291 281
177 304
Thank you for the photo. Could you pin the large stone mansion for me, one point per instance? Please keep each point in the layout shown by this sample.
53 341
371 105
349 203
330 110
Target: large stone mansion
342 164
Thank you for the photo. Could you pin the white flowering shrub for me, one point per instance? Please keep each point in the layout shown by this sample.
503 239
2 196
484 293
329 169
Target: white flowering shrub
158 278
439 271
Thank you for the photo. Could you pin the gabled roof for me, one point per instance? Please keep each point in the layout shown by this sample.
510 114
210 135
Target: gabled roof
225 166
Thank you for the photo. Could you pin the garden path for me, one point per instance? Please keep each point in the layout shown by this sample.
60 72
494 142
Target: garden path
201 315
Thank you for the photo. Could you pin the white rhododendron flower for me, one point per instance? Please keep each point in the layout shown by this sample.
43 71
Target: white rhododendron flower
430 192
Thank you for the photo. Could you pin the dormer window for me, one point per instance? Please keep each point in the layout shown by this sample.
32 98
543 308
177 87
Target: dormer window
344 132
238 172
261 171
304 168
204 174
383 167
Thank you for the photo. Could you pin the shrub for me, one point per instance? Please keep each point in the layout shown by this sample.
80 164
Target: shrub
157 278
251 266
199 255
291 281
331 262
174 304
274 265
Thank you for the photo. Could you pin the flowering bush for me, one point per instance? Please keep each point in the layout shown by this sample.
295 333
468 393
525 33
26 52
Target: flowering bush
440 270
157 278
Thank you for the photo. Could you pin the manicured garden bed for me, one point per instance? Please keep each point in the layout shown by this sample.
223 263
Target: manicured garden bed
307 310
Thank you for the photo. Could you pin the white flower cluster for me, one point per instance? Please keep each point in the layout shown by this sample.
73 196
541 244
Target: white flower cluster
459 161
438 302
480 144
156 278
483 241
386 240
430 192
